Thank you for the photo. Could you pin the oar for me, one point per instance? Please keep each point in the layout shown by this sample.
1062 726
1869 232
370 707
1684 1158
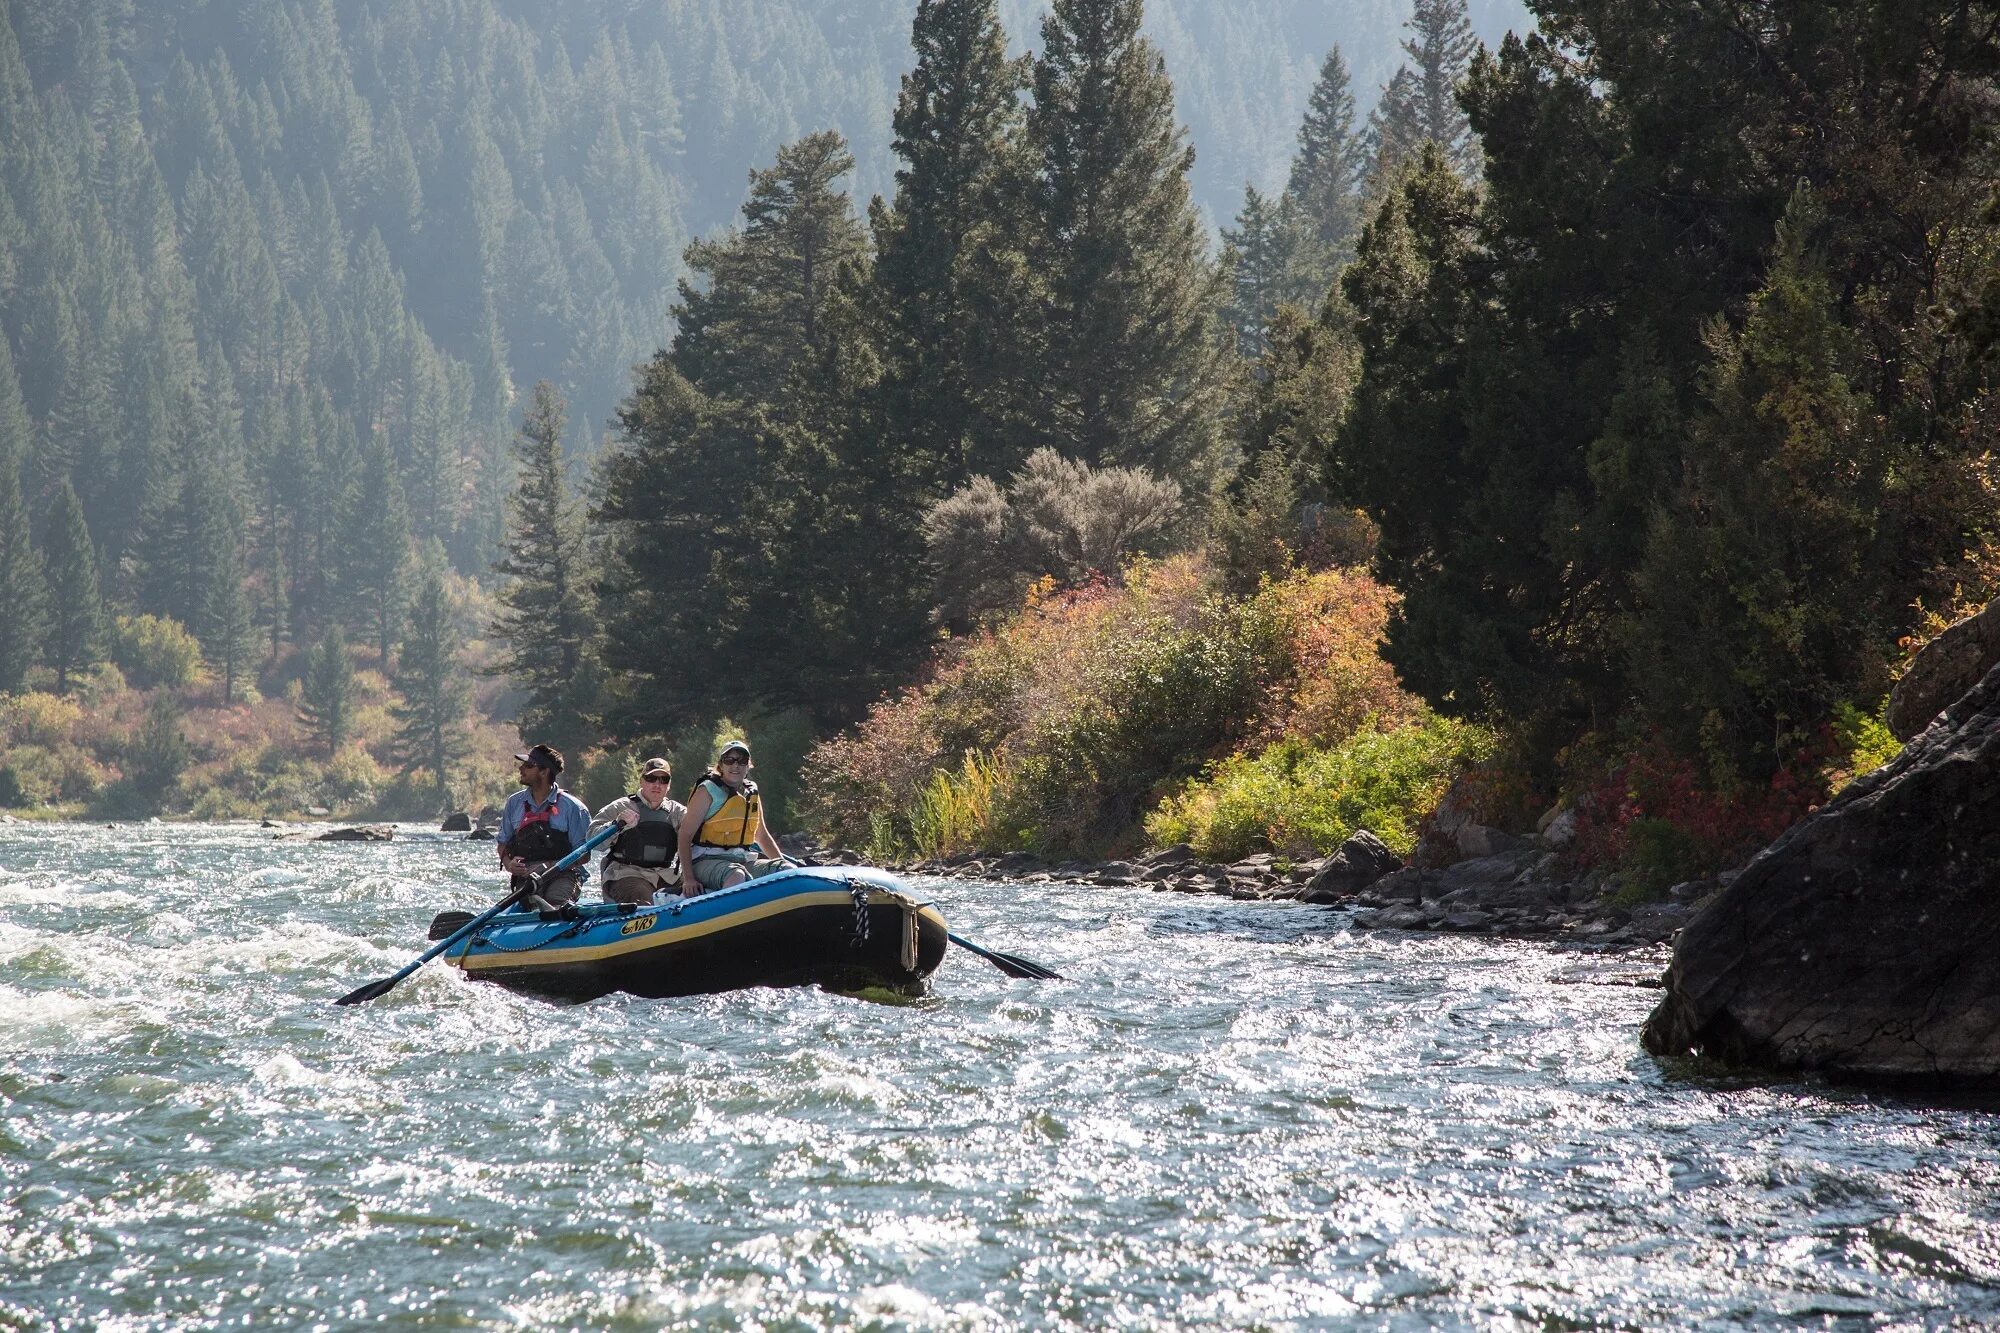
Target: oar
376 989
1011 963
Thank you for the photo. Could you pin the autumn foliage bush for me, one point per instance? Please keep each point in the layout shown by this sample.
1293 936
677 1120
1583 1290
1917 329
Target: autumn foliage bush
1658 817
1059 729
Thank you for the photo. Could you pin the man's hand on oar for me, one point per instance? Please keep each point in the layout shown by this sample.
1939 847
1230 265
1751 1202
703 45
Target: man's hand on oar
376 989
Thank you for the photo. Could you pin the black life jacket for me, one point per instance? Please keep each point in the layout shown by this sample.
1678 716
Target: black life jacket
653 842
538 839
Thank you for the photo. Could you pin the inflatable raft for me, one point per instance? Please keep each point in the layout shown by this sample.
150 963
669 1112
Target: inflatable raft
842 927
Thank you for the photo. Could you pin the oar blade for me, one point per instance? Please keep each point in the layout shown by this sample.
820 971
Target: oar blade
1016 966
446 923
1012 964
374 989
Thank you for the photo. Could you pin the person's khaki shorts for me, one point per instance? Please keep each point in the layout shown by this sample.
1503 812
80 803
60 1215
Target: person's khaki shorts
632 886
711 872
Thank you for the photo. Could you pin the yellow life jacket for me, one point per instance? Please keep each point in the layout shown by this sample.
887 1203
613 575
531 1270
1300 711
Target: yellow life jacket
732 820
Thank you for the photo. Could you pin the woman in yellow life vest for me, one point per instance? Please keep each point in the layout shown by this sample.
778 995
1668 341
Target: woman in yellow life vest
724 830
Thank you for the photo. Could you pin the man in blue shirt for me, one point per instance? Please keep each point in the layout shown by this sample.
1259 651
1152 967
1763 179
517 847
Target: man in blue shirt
541 824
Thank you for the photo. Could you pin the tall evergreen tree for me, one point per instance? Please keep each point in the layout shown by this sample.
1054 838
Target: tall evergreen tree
1330 164
375 548
227 621
1126 367
22 590
1267 244
948 249
1395 130
1442 45
759 317
76 611
546 615
326 701
430 717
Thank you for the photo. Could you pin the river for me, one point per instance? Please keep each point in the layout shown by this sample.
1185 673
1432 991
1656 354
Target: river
1234 1115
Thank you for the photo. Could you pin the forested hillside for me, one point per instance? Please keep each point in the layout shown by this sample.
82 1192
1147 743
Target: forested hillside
1606 411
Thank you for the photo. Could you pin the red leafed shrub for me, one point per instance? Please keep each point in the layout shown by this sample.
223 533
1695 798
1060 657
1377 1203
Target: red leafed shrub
1649 812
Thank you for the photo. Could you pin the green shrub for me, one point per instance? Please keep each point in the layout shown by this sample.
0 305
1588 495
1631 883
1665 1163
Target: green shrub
31 775
1864 740
351 778
36 718
1294 798
954 811
156 650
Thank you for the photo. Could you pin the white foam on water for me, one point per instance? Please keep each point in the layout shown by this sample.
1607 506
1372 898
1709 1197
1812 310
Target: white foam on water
284 1070
42 1022
899 1304
52 891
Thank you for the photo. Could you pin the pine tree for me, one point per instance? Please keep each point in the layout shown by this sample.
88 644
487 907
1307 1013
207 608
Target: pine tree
375 546
546 612
1768 581
76 611
1126 366
326 701
1442 45
159 754
22 590
227 623
1395 130
758 319
1265 244
430 718
1331 162
946 249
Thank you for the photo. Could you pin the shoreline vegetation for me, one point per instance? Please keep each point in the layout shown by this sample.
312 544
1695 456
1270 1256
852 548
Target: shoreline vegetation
1563 531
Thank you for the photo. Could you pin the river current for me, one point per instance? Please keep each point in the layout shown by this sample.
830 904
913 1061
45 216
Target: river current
1230 1115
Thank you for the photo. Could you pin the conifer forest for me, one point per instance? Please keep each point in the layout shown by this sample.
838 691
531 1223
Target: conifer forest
1059 426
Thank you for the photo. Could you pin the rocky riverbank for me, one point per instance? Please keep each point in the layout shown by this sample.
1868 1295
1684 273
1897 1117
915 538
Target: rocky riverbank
1467 879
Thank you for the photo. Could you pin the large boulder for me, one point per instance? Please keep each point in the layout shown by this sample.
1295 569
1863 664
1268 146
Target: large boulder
1948 666
456 822
360 833
1360 861
1862 942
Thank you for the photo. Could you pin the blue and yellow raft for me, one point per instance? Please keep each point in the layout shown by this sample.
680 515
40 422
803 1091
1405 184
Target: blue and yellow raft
845 928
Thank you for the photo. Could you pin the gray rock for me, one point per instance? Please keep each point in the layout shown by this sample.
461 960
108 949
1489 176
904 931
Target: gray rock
1861 942
1406 885
1179 854
359 833
1361 861
1479 840
484 833
1949 665
459 822
1559 832
1016 863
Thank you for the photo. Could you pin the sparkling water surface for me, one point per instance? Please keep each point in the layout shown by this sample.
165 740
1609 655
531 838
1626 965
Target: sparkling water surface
1232 1115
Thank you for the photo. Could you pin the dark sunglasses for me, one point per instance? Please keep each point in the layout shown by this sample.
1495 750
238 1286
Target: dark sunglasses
664 777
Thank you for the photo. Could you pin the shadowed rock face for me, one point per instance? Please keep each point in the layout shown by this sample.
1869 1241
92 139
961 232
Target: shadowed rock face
1865 942
1949 665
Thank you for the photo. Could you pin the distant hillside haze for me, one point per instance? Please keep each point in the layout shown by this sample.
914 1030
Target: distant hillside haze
549 161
